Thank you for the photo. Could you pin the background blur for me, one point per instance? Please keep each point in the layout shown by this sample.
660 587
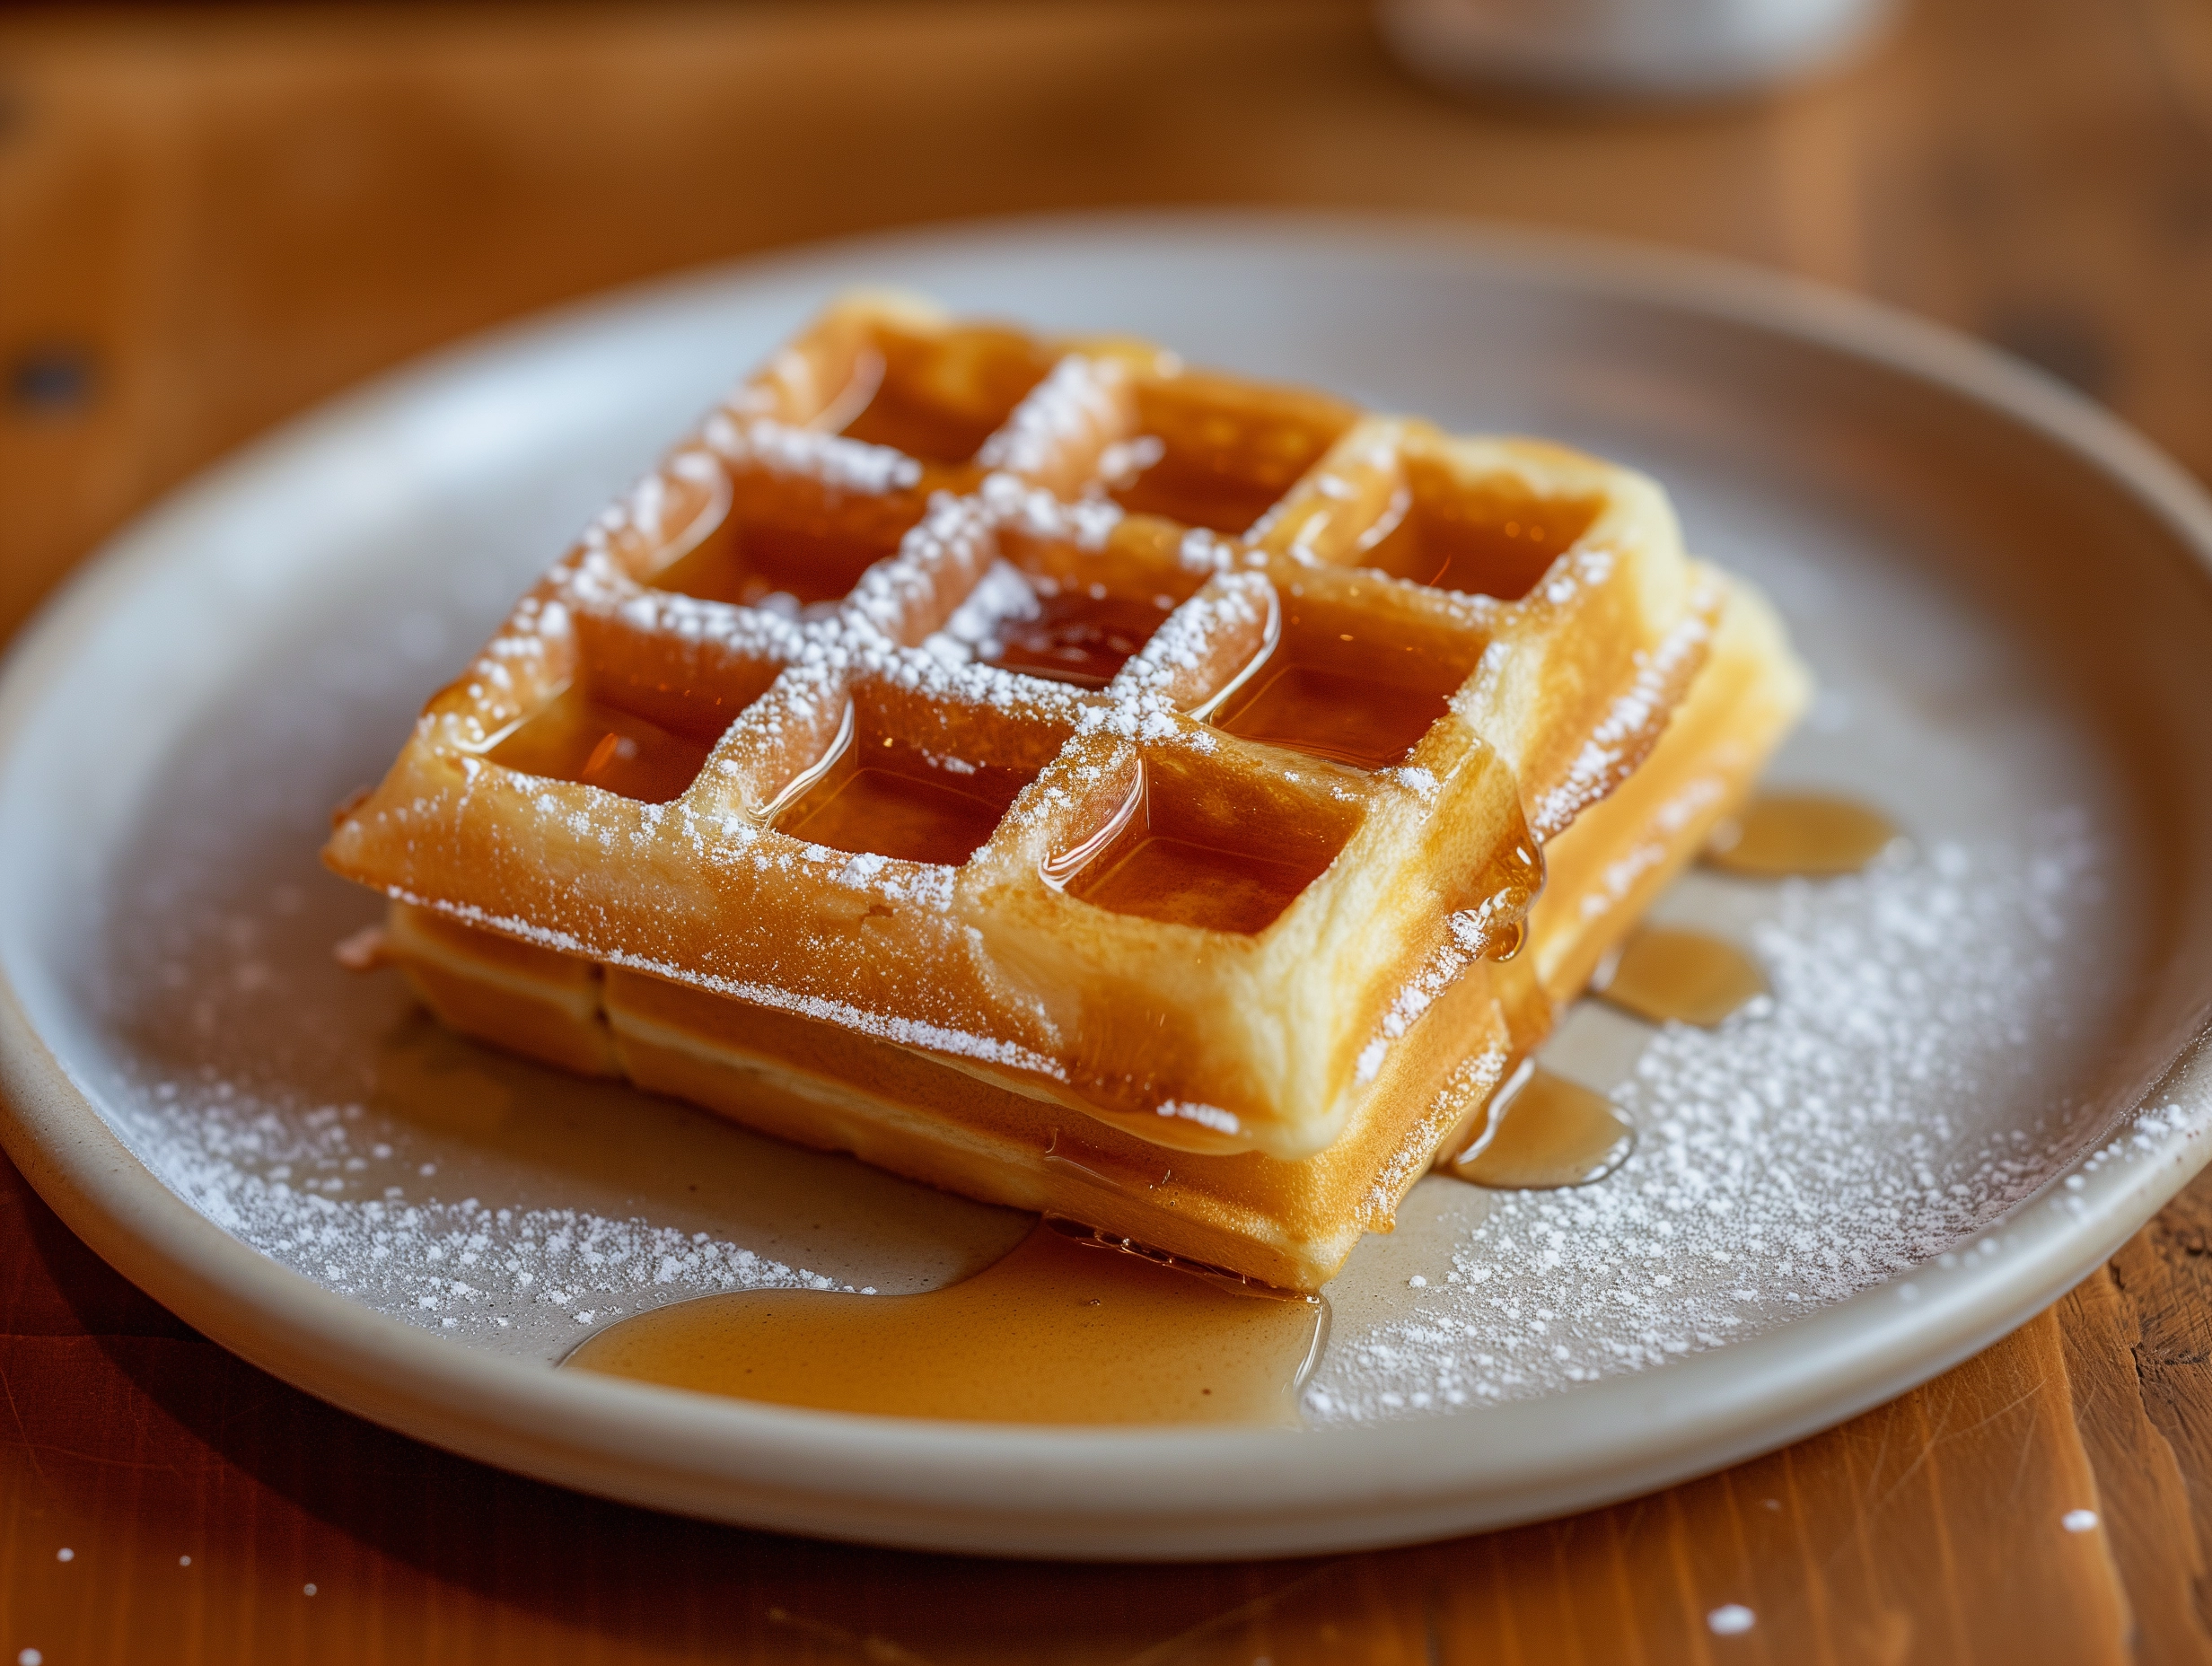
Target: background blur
210 218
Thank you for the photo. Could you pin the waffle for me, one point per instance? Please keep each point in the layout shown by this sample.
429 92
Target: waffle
1076 780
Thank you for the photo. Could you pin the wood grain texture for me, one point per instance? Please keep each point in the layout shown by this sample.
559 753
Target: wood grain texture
210 219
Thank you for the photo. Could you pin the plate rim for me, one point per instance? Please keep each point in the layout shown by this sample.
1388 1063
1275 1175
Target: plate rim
1004 1489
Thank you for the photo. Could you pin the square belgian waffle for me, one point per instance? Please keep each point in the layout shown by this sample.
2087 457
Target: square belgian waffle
1083 781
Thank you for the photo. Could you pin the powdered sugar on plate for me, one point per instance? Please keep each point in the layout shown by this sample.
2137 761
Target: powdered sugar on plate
286 1180
1817 1143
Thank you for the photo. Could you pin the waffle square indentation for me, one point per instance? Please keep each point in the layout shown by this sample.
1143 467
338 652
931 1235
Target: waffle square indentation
1205 846
937 394
1490 537
1348 681
598 742
1217 452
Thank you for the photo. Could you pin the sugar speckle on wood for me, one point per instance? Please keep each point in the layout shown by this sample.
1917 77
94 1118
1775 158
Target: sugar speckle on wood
1731 1620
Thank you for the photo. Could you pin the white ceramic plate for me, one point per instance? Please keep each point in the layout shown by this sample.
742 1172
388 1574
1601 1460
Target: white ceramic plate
1976 1080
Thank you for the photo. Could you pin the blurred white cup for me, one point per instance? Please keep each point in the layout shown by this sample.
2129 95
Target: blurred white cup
1668 48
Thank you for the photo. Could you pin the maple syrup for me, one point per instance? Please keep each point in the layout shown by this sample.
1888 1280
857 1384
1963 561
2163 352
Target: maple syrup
1158 861
813 560
1661 973
1070 1328
1479 546
1197 496
1075 638
883 796
1777 835
938 398
1333 688
582 739
1185 883
1542 1132
1227 450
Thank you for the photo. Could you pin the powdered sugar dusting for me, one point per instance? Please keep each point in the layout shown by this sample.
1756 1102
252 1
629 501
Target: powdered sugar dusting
1072 404
1186 642
282 1177
1085 522
1813 1146
1000 596
1610 750
848 465
944 550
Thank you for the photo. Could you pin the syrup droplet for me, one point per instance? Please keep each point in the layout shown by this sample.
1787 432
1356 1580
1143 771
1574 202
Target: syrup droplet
1780 834
1542 1132
1508 941
1070 1328
1660 973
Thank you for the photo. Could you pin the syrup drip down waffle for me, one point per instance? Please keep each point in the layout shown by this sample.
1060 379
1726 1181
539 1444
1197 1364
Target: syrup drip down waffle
1085 782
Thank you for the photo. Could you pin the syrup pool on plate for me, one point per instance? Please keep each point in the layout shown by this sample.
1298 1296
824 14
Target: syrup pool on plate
1779 835
1069 1328
1662 973
1542 1132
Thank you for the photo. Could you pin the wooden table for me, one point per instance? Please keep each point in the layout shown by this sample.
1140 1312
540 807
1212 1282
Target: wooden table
209 220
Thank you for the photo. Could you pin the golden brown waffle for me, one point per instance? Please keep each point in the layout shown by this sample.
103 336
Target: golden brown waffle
1083 781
